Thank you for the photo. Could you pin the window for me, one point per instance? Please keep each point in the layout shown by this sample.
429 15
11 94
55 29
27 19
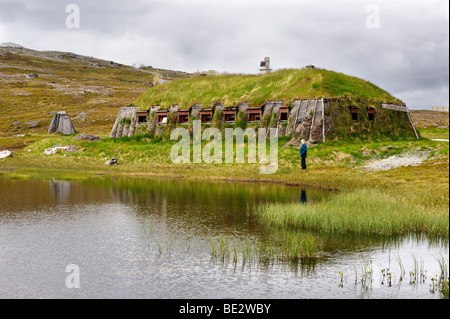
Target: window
284 115
205 118
354 111
371 114
253 117
254 114
183 118
142 117
229 116
162 118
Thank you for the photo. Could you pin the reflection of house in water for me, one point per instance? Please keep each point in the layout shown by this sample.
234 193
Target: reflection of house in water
61 190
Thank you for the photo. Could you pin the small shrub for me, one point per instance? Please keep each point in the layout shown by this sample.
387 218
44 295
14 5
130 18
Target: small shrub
273 120
241 120
217 119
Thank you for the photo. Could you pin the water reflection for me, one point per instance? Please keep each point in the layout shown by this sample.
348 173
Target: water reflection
61 190
303 196
153 239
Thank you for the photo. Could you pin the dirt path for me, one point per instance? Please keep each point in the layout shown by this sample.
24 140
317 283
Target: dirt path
397 161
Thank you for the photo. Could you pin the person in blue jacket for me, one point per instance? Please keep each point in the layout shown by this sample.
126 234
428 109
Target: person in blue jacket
303 152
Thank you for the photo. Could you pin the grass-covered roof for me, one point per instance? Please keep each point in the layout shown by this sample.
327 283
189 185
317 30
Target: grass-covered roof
286 85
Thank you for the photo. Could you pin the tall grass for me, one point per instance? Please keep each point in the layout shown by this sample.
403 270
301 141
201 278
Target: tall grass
292 248
256 89
364 211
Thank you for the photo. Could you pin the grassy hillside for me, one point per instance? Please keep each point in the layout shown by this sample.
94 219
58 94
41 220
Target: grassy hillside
90 90
283 85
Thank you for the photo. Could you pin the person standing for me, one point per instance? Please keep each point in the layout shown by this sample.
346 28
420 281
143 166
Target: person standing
303 152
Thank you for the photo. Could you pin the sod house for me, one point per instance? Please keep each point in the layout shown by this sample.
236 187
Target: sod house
310 103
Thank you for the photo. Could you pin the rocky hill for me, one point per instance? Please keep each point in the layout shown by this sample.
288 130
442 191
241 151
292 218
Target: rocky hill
35 84
430 119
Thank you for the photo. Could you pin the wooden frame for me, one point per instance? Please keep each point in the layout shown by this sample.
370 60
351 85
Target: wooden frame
371 114
254 114
284 114
206 116
142 117
354 112
183 117
229 116
160 115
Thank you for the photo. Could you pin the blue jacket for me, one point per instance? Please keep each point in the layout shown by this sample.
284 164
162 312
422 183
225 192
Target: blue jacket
303 150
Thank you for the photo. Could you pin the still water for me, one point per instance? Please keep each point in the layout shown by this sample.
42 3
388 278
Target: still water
153 238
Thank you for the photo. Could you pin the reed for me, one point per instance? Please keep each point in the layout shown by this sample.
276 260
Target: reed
366 272
292 248
443 277
401 266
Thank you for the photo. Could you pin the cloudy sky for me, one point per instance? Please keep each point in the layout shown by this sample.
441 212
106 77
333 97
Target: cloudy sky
399 45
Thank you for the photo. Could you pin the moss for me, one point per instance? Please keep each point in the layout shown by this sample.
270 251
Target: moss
388 124
125 121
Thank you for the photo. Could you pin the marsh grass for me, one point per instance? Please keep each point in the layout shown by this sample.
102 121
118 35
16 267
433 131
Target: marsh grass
362 211
364 275
366 268
291 249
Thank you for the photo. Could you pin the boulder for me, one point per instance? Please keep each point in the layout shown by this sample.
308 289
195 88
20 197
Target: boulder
112 161
87 137
57 148
32 124
16 124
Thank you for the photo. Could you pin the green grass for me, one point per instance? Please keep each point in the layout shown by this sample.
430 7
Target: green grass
404 200
142 154
364 211
285 85
438 133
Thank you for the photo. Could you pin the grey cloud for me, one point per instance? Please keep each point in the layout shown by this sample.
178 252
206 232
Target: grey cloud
407 55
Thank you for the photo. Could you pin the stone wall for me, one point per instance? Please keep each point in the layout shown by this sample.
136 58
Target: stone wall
312 120
305 119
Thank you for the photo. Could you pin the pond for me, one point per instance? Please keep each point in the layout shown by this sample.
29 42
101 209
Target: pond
165 238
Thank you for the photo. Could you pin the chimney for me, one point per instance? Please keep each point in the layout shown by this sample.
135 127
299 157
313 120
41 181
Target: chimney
264 66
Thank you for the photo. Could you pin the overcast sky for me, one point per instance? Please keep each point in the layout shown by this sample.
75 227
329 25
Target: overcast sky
400 45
